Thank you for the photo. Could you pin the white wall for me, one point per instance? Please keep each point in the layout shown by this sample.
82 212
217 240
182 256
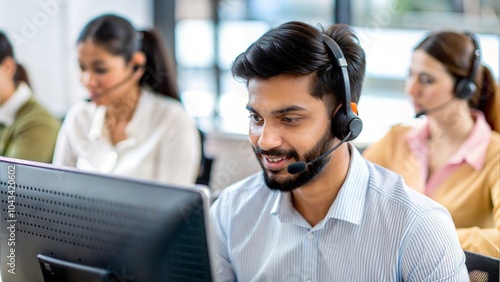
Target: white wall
44 34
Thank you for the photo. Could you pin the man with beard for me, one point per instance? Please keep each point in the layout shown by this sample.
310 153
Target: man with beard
319 211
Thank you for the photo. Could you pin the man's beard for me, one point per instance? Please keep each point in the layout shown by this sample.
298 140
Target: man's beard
295 181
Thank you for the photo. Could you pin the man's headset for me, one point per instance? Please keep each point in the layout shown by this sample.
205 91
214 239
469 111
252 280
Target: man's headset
467 87
346 125
345 120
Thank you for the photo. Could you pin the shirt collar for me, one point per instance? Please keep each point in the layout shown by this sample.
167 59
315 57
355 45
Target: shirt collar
9 109
350 202
282 206
417 137
473 150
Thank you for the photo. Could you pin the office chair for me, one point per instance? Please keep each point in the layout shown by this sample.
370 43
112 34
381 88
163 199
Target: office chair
205 164
481 267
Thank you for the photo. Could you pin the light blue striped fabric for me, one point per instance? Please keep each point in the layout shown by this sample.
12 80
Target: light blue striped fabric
376 230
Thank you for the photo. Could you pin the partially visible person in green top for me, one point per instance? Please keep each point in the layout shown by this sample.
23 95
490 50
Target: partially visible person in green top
27 130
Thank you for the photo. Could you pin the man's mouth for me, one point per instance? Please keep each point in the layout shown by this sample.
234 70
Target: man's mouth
274 162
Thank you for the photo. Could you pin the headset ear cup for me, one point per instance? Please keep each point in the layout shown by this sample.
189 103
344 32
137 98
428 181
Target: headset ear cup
465 89
355 126
343 124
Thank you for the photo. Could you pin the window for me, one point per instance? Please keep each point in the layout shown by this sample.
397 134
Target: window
388 31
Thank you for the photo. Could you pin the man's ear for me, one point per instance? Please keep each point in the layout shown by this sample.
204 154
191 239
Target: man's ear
336 110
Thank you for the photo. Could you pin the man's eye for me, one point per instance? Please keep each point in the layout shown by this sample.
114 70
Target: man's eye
290 120
254 117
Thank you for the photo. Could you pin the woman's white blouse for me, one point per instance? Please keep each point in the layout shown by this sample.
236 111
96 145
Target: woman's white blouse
163 142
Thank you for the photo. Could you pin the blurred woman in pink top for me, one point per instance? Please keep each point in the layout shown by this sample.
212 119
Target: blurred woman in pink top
454 157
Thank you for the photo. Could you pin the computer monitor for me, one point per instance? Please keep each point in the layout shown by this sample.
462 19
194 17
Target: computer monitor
62 224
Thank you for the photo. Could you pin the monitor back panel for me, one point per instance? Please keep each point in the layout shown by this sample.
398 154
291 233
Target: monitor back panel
137 230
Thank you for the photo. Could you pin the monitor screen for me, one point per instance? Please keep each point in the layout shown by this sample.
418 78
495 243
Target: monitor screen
61 224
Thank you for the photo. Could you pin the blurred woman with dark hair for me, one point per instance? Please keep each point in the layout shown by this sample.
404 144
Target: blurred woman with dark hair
27 130
454 157
134 124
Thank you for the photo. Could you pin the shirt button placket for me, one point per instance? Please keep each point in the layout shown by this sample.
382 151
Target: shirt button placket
310 257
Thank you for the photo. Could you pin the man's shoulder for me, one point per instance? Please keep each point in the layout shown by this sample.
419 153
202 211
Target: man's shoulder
424 228
390 188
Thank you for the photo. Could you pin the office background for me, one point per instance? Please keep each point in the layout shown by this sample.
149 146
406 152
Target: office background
204 36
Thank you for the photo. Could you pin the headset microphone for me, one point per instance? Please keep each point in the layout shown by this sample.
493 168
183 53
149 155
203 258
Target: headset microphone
426 112
120 83
301 166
